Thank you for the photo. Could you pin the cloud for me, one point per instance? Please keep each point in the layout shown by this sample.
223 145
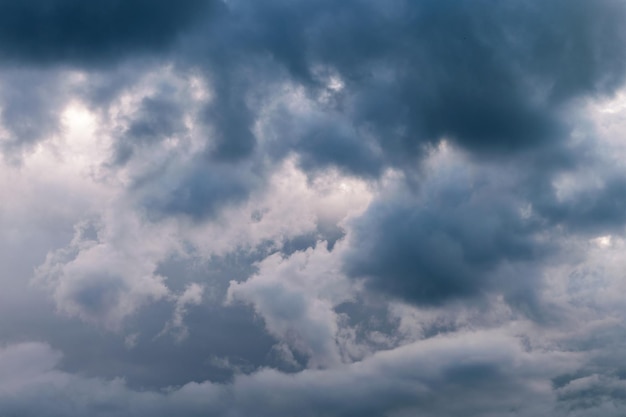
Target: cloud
70 31
386 79
99 282
296 296
190 297
461 234
415 378
334 208
30 104
493 78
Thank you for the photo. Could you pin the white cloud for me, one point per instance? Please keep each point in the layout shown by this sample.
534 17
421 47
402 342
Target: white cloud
296 296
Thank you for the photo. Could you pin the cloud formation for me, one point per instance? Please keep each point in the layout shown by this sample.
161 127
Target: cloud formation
230 207
71 31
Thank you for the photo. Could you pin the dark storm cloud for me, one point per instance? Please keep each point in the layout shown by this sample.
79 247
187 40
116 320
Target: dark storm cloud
445 243
494 77
476 228
73 31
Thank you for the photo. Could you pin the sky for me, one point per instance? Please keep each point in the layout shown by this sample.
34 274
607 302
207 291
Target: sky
312 208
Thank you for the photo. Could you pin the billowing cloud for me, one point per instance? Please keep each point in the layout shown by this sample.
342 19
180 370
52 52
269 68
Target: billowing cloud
230 207
415 378
462 233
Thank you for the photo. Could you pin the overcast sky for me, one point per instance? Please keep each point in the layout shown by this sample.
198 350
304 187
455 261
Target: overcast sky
285 208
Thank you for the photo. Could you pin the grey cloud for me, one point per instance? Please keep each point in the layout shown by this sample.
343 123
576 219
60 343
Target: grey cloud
321 140
156 362
30 104
158 118
593 391
326 146
97 296
470 226
599 381
198 191
356 86
100 282
230 116
595 210
294 311
447 242
151 362
72 31
419 378
493 77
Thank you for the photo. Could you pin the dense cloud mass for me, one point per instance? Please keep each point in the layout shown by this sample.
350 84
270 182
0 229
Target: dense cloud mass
460 234
312 208
51 32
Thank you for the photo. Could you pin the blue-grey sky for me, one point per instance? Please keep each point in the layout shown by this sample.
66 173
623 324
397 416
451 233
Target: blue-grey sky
286 208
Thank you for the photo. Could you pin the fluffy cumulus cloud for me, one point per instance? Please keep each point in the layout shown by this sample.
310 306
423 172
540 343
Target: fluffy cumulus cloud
313 208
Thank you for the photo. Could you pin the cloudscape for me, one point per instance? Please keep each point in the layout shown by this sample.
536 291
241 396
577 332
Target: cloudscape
289 208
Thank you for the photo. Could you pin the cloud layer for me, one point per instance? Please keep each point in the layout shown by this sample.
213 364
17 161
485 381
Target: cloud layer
318 208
